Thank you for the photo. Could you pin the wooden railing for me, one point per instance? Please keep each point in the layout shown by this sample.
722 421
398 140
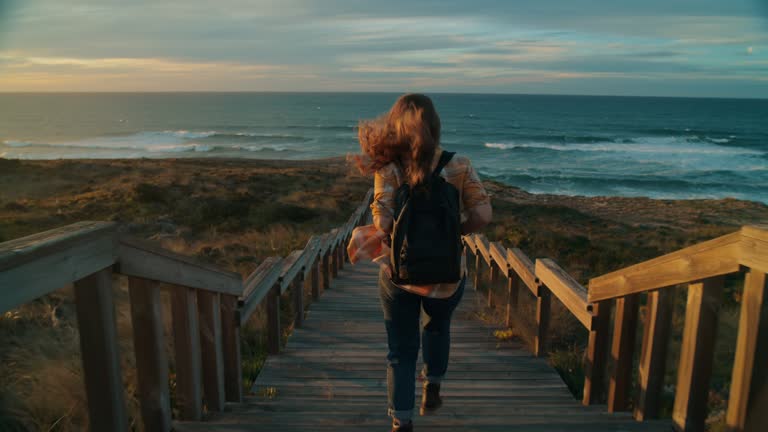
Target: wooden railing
208 307
703 268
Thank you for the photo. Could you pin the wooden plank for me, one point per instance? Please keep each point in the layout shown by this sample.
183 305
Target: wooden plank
653 354
493 279
564 287
259 288
747 377
31 248
186 342
151 358
521 265
273 321
478 268
469 241
499 256
513 296
252 281
622 352
696 355
482 247
543 316
754 248
141 259
597 350
715 257
298 300
37 265
99 352
209 309
230 339
334 258
291 266
313 249
325 265
315 279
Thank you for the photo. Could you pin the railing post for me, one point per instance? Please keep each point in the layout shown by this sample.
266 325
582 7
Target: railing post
513 296
622 351
99 351
326 267
543 313
597 350
230 334
273 320
335 262
297 291
494 277
151 358
696 355
653 356
477 269
209 307
315 278
340 255
186 342
749 373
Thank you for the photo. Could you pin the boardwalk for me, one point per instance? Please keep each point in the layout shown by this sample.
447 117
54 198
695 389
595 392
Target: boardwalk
331 377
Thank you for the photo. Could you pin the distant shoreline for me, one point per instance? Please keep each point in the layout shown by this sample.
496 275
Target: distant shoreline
341 161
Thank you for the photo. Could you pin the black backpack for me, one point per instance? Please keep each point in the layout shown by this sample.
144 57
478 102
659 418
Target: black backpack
426 235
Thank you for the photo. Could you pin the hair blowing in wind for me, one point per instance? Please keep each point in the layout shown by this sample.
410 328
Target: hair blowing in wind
408 134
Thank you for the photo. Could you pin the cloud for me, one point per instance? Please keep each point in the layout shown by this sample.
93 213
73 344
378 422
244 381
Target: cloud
346 44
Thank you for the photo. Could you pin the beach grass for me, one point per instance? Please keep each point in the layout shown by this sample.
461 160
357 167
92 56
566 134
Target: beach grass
236 213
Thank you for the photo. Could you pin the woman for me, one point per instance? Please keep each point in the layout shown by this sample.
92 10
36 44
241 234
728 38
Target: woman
403 148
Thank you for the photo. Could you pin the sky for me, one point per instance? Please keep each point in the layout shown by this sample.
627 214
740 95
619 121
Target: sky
706 48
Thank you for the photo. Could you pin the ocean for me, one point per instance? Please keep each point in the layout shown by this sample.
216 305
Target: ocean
672 148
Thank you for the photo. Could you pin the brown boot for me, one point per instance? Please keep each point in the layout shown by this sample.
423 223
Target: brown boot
402 427
430 399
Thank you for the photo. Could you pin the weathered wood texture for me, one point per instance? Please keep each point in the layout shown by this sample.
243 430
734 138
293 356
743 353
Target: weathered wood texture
653 355
209 307
715 257
622 351
99 352
230 339
273 320
331 377
186 342
151 358
543 315
597 350
35 265
749 376
145 260
696 354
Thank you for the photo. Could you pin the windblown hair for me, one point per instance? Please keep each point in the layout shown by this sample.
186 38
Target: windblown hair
408 135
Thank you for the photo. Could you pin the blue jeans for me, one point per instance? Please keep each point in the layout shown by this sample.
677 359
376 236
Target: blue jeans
401 317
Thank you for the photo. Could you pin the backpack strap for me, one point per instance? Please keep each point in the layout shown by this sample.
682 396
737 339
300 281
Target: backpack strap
445 157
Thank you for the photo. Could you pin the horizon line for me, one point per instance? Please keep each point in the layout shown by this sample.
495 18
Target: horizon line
75 92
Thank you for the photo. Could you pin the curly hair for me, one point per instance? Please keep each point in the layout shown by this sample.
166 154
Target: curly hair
408 135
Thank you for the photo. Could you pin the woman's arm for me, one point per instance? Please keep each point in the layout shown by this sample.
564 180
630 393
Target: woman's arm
477 218
383 222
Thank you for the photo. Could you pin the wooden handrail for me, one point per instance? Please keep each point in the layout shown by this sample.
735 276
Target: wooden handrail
141 259
36 265
564 287
209 305
747 247
259 286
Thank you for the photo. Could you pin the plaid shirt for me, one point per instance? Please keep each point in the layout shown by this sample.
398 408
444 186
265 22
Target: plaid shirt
368 243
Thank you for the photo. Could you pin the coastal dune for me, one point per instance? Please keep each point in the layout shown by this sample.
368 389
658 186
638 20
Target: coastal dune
235 213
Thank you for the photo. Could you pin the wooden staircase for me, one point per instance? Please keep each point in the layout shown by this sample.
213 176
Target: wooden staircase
330 376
